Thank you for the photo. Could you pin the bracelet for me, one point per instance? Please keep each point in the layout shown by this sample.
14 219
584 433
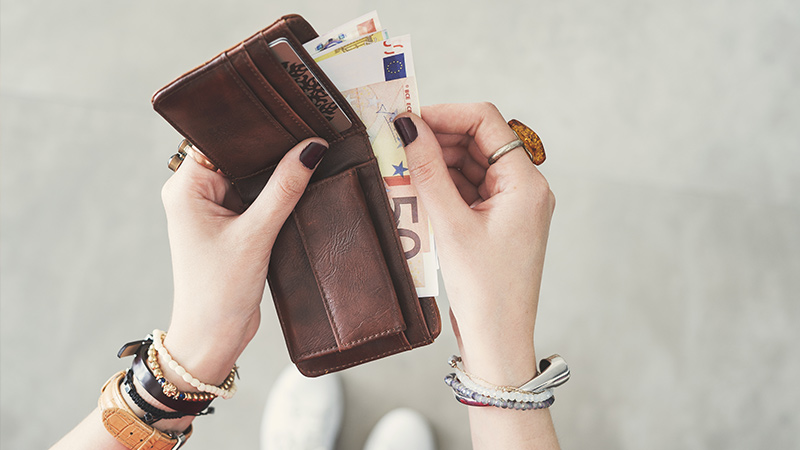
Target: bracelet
226 390
534 394
500 392
143 373
473 398
151 413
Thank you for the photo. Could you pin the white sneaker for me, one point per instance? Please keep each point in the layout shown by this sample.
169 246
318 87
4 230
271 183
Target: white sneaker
401 429
302 413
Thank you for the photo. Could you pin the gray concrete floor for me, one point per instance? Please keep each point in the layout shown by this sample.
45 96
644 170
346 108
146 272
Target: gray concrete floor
671 283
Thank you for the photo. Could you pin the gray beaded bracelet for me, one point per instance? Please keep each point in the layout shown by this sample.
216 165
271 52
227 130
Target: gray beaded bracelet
535 394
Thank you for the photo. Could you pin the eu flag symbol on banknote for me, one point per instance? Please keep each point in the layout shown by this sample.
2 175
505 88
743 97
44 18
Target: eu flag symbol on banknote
394 67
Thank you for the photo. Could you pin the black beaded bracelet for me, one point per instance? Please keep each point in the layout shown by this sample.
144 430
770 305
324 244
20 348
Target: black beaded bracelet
151 413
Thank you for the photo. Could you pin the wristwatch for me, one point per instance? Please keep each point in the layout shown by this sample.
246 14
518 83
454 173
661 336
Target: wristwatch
127 427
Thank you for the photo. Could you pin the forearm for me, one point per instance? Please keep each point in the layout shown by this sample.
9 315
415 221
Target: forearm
206 354
89 434
507 365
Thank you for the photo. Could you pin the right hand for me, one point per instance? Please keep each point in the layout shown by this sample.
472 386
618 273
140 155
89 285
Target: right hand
491 225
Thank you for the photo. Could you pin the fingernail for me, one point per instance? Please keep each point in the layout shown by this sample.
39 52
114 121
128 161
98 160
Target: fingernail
312 154
406 129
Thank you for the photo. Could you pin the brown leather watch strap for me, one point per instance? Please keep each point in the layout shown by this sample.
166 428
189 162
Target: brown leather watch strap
127 427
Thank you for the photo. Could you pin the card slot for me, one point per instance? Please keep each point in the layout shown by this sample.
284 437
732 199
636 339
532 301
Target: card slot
267 94
269 67
330 245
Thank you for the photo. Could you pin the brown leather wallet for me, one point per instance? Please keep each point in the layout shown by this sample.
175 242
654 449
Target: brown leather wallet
338 275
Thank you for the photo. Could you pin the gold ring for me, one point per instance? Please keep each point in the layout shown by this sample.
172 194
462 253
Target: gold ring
530 141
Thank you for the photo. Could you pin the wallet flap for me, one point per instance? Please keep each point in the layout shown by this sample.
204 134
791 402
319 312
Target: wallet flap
341 244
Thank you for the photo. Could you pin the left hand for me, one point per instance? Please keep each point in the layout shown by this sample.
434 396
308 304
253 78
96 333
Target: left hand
220 259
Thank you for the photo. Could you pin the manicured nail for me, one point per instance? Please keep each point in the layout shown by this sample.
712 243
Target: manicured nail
406 129
312 154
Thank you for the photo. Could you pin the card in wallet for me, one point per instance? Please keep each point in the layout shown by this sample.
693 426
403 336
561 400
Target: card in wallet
338 275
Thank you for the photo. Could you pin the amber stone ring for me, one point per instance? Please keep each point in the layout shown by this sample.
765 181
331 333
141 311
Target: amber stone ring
530 141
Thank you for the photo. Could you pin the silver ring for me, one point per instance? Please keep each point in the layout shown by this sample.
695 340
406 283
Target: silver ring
505 149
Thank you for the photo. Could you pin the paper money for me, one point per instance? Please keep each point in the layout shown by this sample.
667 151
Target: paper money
377 36
377 105
361 26
385 61
379 82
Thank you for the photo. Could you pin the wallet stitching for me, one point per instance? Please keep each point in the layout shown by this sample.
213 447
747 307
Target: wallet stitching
392 331
280 101
355 363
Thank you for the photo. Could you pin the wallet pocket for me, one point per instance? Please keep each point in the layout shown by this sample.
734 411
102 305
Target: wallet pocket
258 49
328 267
267 94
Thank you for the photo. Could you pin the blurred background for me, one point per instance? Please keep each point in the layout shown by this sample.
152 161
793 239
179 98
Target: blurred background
671 284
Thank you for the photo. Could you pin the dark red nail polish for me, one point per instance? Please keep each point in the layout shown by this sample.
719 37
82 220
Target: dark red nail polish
312 154
406 129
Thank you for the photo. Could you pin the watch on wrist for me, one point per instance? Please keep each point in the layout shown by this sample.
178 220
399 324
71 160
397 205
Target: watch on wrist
128 428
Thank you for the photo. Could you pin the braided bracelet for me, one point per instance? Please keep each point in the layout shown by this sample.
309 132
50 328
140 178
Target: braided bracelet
226 390
151 413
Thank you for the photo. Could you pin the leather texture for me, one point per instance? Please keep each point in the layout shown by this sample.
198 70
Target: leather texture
125 426
338 275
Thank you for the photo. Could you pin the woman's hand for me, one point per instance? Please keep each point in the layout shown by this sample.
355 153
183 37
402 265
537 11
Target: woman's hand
491 225
220 257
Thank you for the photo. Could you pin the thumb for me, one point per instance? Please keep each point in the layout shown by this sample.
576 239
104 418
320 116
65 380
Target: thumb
428 170
285 187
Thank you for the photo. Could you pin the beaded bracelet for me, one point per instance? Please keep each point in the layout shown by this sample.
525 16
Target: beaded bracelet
472 398
534 394
207 391
153 414
481 386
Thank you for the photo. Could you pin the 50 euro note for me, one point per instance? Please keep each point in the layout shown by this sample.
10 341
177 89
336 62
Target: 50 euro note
377 105
378 81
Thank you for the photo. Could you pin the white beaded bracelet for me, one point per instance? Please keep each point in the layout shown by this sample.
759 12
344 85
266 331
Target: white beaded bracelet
158 344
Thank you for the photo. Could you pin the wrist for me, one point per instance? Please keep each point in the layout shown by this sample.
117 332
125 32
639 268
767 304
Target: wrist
208 357
503 362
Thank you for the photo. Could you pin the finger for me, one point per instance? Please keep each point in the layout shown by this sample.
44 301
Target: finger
429 172
457 157
285 187
482 121
194 183
468 191
489 132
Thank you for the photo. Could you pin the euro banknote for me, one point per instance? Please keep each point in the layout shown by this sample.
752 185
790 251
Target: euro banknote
379 82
